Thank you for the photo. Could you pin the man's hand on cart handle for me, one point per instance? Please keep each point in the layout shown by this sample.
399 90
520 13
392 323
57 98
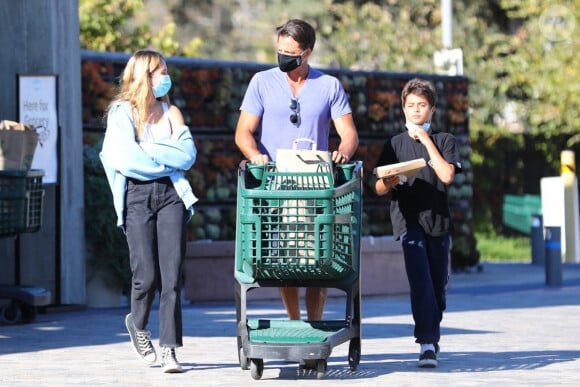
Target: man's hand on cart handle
339 158
259 158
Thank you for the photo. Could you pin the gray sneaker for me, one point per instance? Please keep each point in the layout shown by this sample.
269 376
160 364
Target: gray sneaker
141 341
169 363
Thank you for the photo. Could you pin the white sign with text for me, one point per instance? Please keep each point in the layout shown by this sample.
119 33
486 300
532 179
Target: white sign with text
37 106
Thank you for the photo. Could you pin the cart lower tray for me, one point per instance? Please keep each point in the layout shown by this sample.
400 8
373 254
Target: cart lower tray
292 331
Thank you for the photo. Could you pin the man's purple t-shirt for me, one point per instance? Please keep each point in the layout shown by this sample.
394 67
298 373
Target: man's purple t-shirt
321 100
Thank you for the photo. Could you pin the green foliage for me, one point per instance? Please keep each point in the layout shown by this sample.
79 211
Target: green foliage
506 163
498 248
106 244
370 36
513 62
102 24
111 25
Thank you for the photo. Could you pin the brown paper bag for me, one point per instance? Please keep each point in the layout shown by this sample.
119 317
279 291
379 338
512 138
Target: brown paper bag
301 160
297 231
297 226
17 145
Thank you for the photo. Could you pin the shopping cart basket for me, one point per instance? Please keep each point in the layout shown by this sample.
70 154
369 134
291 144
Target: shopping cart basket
298 229
21 205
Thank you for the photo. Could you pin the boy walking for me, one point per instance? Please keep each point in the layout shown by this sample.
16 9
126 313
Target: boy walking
420 212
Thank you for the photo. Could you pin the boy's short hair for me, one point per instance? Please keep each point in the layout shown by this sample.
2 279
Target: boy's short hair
421 87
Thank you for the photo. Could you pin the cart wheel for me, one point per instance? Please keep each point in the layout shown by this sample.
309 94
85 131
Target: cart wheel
354 353
257 368
321 368
308 364
11 313
244 361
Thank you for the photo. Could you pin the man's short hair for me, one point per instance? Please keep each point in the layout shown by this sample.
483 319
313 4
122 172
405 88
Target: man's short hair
300 31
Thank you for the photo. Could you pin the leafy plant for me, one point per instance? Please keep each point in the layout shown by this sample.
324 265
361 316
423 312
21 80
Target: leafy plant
106 245
125 26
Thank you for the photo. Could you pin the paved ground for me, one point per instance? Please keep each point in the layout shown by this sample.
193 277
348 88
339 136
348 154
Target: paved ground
503 327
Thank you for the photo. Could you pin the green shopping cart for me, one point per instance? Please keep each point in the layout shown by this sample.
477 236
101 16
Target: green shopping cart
21 209
299 229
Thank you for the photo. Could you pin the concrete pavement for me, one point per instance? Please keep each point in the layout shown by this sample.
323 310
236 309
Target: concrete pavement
503 326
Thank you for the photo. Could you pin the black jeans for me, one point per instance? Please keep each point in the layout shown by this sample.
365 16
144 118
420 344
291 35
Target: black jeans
155 222
427 266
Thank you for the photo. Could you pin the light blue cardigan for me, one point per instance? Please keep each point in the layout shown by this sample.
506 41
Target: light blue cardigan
122 157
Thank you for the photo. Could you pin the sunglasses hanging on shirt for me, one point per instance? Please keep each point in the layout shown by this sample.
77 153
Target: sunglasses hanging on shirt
295 107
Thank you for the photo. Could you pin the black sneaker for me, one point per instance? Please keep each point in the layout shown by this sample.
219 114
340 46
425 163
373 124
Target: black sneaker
428 359
436 345
141 341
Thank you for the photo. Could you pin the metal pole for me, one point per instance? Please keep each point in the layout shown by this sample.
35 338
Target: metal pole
537 240
447 23
571 237
553 257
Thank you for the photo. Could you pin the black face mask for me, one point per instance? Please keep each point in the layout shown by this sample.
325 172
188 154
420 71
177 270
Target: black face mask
289 62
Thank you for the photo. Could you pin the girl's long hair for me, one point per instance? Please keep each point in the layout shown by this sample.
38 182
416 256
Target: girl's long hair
136 86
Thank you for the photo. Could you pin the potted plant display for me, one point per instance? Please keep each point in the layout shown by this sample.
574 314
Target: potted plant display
108 271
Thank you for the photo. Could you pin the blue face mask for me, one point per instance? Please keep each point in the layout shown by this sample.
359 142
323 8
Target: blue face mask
426 126
163 86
